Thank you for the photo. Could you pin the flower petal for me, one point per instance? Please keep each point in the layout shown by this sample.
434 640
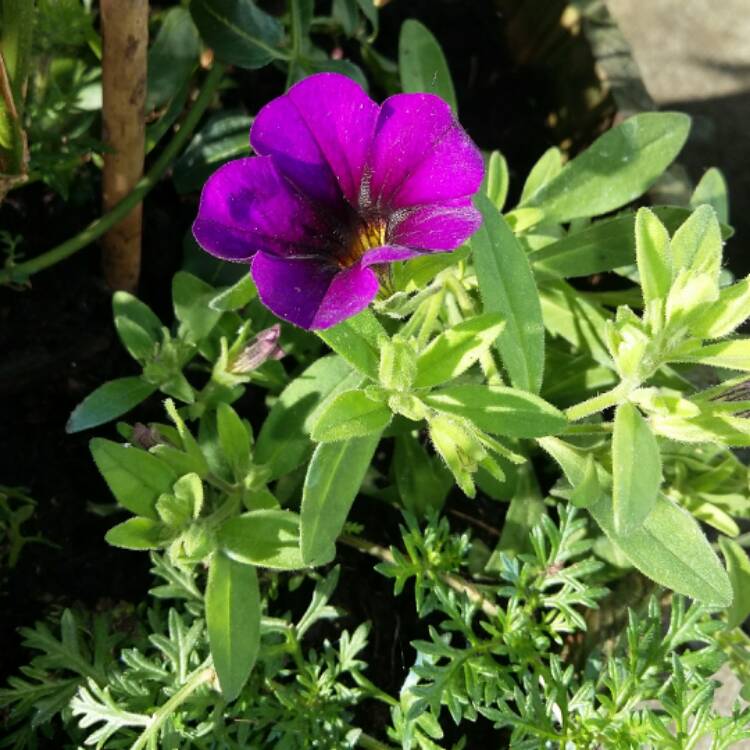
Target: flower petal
310 294
420 154
247 206
388 254
439 226
319 134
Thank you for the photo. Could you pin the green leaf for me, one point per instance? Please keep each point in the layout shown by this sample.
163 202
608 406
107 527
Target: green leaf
135 477
191 297
422 64
109 401
350 415
240 33
136 533
636 469
580 322
604 246
499 410
172 57
138 328
236 296
734 355
331 484
697 245
507 286
233 622
268 538
189 443
126 305
525 510
422 481
234 440
738 568
547 168
653 256
222 138
589 490
669 547
421 271
728 312
497 180
454 351
616 169
346 12
712 189
284 439
356 340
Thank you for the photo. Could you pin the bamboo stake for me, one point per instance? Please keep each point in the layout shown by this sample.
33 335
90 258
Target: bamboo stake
125 44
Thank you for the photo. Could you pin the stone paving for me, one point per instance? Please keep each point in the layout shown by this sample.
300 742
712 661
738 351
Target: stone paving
694 56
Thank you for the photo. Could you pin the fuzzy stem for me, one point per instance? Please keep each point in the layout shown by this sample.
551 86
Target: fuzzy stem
98 227
598 403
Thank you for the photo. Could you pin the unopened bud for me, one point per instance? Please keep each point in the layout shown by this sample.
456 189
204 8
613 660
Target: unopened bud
146 437
262 348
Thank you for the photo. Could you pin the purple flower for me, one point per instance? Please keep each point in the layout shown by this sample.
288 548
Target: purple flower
340 185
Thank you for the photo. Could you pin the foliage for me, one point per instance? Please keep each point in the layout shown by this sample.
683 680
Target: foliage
576 367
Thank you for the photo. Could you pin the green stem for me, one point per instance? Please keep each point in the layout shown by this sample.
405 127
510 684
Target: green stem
370 743
432 312
98 227
295 30
598 403
200 677
373 690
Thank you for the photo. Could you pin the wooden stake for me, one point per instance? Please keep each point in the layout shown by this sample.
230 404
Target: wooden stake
125 44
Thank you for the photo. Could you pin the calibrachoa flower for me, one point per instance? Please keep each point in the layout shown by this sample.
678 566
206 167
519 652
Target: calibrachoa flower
340 186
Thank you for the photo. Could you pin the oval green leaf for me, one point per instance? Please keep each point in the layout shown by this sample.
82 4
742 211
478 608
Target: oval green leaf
500 410
422 64
331 484
507 286
351 414
616 169
239 32
233 622
669 547
135 477
269 538
109 401
636 469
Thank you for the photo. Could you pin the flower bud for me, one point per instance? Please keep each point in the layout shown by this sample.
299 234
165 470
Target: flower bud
459 447
262 348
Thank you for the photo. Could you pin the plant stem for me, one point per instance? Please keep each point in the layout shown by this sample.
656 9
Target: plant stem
370 743
598 403
98 227
295 16
200 677
458 584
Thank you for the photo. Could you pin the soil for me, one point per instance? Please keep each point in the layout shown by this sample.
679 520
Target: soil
58 344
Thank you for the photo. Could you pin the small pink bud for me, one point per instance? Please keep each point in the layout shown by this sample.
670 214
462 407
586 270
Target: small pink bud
262 348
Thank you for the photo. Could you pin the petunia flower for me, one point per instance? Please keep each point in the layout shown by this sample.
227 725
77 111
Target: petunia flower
339 187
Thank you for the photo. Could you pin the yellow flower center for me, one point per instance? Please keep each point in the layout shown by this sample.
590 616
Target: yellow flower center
368 235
